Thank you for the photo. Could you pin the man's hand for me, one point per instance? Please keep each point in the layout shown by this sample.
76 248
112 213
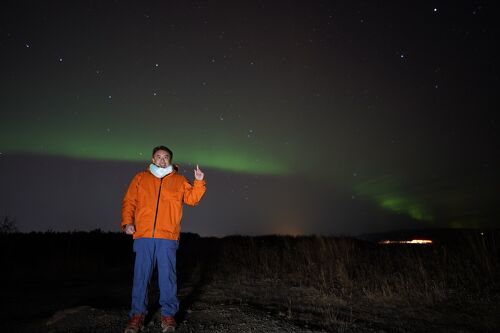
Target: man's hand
198 174
130 229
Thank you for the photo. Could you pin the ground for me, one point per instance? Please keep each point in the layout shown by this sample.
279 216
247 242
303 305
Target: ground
208 313
81 282
218 308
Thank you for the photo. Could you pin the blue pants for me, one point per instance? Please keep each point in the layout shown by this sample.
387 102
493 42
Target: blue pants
148 253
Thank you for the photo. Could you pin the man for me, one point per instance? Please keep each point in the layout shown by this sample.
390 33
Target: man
151 212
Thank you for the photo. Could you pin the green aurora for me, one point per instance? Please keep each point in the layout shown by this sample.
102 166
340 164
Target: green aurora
131 138
226 149
389 192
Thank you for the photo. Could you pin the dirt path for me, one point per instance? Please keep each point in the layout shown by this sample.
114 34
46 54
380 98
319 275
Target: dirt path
207 312
201 317
219 308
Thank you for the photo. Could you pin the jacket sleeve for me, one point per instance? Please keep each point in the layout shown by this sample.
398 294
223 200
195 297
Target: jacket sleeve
193 193
130 202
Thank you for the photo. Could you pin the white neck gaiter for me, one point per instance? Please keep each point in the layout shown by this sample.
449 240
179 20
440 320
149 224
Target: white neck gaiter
159 171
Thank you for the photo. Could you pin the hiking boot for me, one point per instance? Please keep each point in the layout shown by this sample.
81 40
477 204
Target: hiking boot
168 324
135 324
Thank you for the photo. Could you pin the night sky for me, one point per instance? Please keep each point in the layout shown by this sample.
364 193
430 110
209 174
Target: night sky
324 117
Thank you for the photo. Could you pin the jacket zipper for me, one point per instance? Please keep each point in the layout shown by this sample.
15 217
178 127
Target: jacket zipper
157 204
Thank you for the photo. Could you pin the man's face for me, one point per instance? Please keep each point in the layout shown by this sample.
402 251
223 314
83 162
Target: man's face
161 158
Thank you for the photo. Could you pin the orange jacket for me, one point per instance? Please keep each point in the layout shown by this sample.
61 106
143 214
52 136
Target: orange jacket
154 205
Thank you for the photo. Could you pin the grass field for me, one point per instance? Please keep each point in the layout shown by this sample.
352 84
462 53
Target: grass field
321 283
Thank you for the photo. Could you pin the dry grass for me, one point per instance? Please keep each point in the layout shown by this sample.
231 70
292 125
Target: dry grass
337 284
344 281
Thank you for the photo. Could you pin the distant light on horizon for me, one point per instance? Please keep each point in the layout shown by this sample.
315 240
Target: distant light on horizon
413 241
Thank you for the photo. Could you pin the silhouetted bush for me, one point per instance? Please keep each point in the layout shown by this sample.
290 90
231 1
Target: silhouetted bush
8 225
